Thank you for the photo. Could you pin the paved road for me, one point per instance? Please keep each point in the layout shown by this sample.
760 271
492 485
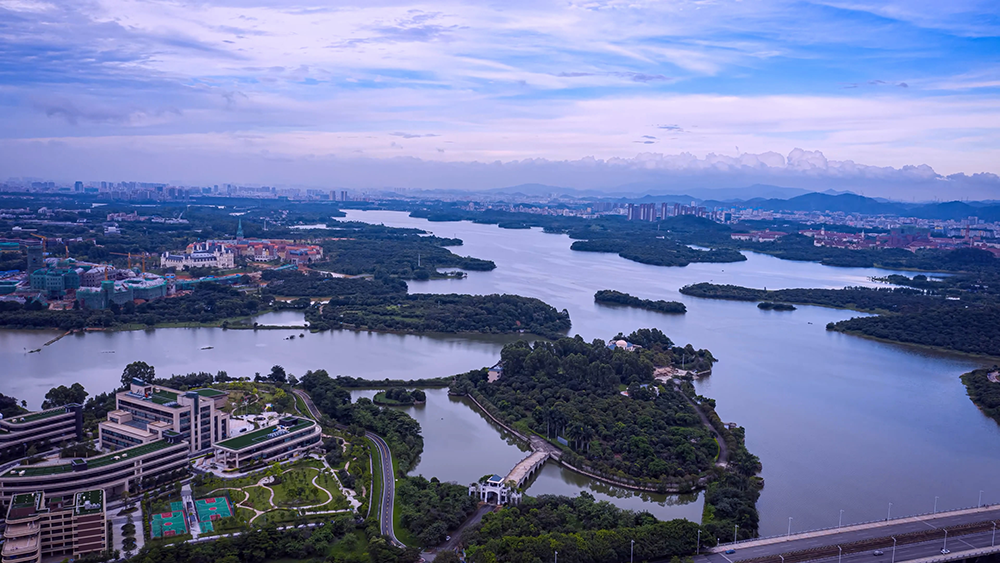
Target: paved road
854 534
388 475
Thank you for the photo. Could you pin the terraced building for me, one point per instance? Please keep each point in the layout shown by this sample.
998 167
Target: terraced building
39 527
41 429
139 467
268 444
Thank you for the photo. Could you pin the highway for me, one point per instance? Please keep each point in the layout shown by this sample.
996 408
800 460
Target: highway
388 475
775 548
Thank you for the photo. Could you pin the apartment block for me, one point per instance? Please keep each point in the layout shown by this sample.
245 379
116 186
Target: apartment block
147 413
40 527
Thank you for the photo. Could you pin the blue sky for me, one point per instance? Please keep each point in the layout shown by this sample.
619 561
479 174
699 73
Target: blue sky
194 91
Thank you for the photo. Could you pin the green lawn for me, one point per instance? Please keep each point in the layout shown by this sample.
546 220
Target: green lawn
259 497
375 494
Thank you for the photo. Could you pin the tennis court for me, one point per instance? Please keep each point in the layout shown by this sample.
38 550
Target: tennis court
211 509
168 524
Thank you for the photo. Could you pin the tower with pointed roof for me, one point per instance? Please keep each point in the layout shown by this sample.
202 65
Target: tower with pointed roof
239 229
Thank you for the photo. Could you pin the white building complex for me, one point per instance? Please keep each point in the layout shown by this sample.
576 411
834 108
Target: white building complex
203 255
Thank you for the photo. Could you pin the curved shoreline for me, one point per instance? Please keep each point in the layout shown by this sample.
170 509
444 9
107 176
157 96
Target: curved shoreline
672 489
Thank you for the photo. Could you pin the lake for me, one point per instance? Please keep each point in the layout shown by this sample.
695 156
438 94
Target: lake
839 422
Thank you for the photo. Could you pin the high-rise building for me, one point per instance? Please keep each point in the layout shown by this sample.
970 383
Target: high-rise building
78 186
146 413
36 258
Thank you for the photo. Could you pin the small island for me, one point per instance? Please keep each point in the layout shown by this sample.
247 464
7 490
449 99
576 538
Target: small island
771 306
983 388
611 297
399 397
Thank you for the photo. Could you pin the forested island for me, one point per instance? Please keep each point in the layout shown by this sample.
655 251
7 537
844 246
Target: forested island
769 306
384 304
571 392
361 248
965 321
611 297
400 397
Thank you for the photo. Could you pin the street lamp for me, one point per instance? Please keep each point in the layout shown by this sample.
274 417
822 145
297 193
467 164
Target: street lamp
946 539
893 551
935 505
889 513
841 521
840 554
789 525
697 547
782 558
631 552
980 503
735 529
557 557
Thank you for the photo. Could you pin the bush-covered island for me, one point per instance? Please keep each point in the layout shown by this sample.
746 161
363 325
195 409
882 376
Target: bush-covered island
612 297
384 304
612 417
399 397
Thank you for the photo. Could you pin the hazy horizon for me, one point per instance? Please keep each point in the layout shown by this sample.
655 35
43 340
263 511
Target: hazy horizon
891 99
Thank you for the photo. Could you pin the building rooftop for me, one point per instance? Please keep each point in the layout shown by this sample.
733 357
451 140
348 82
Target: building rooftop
26 500
89 502
263 435
101 461
35 416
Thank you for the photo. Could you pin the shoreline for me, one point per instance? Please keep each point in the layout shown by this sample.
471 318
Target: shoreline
926 347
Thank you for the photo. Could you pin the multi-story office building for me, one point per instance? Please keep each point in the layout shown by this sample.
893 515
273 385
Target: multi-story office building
61 526
40 429
268 444
147 413
138 467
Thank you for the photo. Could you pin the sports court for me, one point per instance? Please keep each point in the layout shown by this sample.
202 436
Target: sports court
211 509
168 524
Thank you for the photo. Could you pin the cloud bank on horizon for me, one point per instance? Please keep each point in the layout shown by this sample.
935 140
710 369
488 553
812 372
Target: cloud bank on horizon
896 98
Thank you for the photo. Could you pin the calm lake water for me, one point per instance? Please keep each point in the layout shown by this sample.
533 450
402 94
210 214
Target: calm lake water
839 422
462 445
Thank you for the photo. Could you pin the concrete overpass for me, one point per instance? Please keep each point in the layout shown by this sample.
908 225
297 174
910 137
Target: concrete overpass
970 533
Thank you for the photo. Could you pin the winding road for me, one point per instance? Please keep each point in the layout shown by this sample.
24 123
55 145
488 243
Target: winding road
388 475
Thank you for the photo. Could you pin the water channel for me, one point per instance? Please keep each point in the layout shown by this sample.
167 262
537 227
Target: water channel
839 422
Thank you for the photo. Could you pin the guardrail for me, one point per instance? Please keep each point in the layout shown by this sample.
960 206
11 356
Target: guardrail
854 525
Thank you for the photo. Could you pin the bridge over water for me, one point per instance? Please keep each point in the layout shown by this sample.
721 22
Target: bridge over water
928 538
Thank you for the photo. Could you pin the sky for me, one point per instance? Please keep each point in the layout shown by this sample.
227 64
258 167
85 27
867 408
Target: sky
897 98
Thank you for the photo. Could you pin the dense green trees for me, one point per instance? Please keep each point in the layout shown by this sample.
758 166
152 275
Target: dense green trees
399 430
405 253
657 251
572 389
880 299
208 303
383 304
431 509
973 330
983 392
9 406
138 370
396 396
62 395
580 529
610 296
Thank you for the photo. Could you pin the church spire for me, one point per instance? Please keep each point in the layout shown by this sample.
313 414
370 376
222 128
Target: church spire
239 229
